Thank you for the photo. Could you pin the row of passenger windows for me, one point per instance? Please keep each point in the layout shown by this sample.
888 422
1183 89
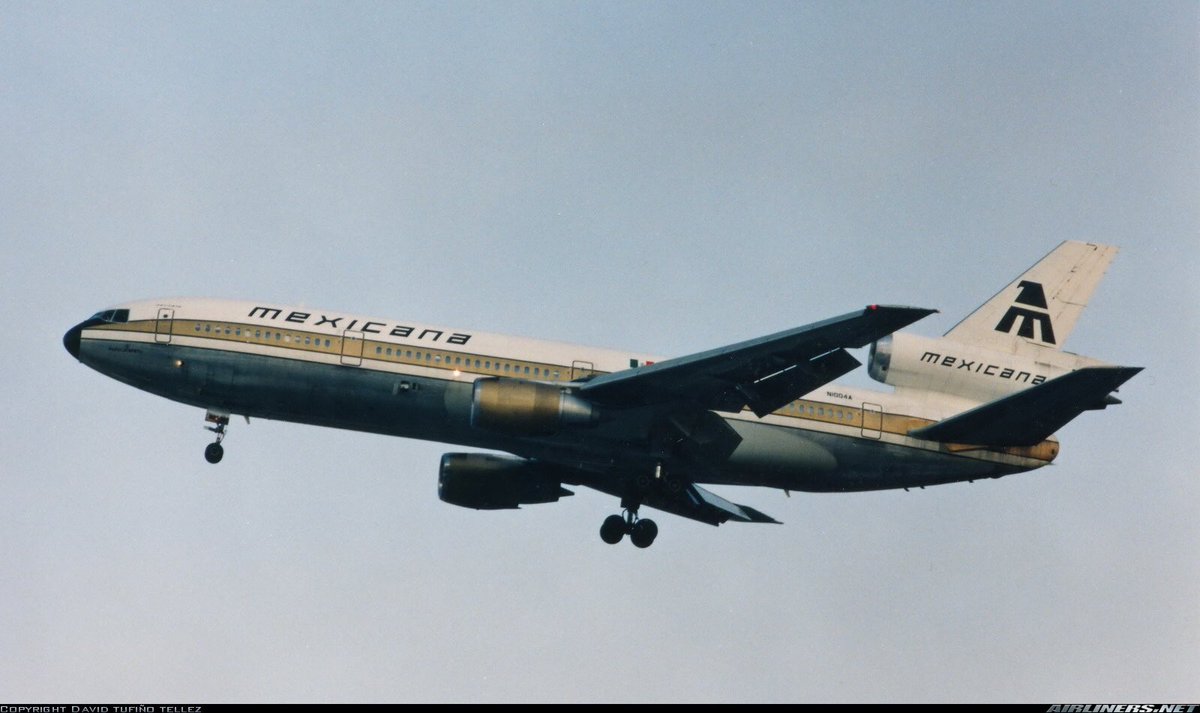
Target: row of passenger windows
265 335
820 411
389 352
471 363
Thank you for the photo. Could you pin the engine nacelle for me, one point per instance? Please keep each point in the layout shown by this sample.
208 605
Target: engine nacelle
490 482
951 367
528 408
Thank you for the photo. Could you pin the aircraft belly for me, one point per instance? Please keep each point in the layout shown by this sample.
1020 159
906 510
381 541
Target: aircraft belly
352 397
774 451
816 461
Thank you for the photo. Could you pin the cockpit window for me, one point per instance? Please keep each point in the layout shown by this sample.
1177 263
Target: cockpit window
112 315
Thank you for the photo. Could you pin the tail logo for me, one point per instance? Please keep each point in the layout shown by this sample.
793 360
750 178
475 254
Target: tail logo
1035 310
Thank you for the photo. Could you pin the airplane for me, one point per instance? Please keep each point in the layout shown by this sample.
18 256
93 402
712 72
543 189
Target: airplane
982 401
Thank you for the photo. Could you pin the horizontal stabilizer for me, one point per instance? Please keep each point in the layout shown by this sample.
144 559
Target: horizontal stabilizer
1028 417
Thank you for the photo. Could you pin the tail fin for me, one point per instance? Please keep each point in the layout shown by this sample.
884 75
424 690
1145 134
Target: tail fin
1039 309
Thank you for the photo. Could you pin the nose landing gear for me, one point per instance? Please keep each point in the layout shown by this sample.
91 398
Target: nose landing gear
214 452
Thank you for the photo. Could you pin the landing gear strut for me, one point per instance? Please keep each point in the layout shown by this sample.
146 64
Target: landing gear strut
641 531
214 451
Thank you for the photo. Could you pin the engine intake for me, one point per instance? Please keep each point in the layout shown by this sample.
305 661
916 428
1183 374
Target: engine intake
527 408
484 481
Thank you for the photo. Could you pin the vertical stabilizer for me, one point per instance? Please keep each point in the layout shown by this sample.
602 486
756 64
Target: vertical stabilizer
1038 309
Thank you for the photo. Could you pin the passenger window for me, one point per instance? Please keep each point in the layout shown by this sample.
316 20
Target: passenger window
378 350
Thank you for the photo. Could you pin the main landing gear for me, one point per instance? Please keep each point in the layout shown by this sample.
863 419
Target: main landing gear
214 452
641 531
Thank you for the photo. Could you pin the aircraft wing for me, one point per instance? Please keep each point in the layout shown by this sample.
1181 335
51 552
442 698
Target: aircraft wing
1028 417
763 374
697 503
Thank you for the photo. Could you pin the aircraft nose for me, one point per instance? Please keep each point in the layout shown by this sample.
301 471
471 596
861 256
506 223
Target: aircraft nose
71 339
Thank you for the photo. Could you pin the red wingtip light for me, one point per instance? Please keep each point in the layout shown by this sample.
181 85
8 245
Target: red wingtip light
872 308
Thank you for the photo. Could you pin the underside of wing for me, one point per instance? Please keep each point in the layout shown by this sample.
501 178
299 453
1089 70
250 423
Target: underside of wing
487 481
699 504
690 501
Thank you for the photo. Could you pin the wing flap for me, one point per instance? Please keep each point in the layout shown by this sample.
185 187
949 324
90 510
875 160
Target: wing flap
767 395
703 437
696 503
740 513
1028 417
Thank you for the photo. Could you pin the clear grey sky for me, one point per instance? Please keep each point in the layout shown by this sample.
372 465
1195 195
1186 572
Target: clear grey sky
665 177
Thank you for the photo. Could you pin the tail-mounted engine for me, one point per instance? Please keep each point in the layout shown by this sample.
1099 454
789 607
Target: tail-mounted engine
490 482
951 367
528 408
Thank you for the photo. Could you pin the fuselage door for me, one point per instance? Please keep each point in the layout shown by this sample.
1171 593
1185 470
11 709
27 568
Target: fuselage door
162 325
352 348
580 369
872 420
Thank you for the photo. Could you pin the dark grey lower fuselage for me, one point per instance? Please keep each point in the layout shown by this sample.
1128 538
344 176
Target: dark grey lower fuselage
362 398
